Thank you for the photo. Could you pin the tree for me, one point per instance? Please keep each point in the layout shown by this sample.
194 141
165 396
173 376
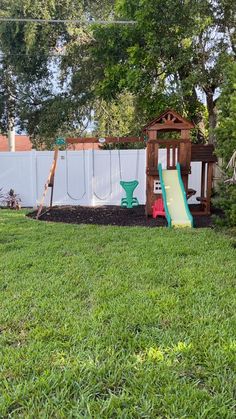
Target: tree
28 62
164 60
174 50
117 117
34 78
24 58
226 141
8 103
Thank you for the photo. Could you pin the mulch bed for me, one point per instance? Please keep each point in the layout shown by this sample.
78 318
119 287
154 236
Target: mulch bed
110 215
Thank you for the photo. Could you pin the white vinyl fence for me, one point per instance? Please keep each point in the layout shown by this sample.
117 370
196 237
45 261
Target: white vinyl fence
88 177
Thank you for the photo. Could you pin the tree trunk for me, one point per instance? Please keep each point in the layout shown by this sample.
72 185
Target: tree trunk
10 95
11 135
212 115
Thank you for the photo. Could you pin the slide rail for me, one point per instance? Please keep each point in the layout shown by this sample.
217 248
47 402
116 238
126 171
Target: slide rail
190 217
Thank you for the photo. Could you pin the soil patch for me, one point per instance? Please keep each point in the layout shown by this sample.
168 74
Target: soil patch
110 215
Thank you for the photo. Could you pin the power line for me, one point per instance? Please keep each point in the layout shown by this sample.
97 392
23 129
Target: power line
39 55
73 21
30 55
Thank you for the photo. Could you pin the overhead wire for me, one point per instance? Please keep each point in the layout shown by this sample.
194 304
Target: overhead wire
39 54
69 21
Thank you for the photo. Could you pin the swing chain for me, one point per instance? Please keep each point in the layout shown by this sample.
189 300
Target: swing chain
137 161
110 177
119 159
67 178
137 164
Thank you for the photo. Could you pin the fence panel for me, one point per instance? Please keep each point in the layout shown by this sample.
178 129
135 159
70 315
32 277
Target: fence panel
90 177
16 173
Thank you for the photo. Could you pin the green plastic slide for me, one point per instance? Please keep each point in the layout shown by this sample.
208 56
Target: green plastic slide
174 198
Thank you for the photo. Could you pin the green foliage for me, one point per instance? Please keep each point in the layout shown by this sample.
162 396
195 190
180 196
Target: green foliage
95 323
226 131
35 91
226 141
172 52
117 117
26 49
167 57
226 200
54 116
120 55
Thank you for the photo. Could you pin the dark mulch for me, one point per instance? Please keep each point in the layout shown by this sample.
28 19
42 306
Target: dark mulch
110 215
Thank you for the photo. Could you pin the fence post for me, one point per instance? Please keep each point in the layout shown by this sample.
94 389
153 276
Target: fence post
33 169
89 180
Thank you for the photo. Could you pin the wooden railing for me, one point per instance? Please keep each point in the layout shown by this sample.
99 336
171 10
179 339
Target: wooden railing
173 154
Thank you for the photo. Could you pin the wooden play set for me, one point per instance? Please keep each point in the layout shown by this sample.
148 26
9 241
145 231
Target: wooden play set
180 152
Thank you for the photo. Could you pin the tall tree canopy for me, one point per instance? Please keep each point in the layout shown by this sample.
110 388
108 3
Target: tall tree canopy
53 76
173 54
35 90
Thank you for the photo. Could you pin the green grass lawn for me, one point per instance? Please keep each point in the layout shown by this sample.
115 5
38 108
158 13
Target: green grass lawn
109 322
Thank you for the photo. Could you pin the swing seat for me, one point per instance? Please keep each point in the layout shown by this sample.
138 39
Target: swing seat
129 201
126 204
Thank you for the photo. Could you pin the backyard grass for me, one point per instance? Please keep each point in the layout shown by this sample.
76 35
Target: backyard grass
110 322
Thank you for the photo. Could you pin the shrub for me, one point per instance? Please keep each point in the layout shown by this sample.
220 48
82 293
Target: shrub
226 143
10 199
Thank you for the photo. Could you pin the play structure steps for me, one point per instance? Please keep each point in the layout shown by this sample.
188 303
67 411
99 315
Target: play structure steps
174 198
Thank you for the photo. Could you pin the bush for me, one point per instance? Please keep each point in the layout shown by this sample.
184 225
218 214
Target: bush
226 200
10 199
226 142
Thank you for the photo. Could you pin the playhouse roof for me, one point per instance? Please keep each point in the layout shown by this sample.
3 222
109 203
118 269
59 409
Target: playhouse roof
169 119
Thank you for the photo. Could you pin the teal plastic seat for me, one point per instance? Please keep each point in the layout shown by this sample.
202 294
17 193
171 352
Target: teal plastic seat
129 201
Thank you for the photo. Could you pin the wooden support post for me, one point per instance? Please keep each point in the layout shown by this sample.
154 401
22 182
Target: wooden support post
51 197
156 157
178 153
209 187
152 161
49 183
203 179
174 156
185 157
168 157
